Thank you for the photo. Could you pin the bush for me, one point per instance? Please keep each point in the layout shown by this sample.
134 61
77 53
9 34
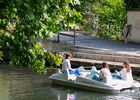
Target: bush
1 55
53 59
105 19
22 22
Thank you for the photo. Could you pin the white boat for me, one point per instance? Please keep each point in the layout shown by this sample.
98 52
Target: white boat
116 86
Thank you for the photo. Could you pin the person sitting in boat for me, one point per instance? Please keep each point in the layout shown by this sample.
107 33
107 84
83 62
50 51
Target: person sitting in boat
66 65
125 73
105 74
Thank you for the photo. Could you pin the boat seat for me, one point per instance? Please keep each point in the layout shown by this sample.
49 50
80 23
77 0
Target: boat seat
83 72
93 68
81 68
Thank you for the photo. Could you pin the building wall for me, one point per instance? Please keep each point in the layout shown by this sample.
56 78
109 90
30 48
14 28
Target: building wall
134 20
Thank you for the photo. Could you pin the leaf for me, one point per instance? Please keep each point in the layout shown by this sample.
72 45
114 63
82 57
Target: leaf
19 2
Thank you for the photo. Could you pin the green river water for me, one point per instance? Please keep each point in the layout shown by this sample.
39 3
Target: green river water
22 84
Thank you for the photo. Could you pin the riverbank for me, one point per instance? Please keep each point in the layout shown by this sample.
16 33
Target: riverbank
83 40
82 56
85 52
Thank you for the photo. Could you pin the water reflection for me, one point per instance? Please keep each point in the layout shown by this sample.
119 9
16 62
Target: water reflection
64 94
71 96
21 84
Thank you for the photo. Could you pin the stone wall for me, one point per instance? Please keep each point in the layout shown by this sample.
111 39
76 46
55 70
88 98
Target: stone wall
134 20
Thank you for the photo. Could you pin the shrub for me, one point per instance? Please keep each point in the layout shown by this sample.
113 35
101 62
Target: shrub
1 55
22 22
53 59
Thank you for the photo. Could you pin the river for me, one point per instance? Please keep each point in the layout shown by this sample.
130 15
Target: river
22 84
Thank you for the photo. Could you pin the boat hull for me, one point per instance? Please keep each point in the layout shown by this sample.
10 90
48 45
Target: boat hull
77 85
113 87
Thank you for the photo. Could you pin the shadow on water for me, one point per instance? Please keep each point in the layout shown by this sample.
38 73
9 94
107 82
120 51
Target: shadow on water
22 84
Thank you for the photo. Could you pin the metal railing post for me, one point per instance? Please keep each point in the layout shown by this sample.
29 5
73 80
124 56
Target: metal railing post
58 37
74 36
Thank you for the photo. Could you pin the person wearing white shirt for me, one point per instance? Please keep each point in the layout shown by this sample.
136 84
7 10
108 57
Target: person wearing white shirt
66 65
126 73
105 74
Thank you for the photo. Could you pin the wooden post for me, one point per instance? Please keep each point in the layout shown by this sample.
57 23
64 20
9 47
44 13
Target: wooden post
58 37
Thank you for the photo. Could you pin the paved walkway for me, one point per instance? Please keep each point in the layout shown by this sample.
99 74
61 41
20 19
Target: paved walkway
104 44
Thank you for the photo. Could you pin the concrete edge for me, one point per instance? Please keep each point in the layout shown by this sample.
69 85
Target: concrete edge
100 62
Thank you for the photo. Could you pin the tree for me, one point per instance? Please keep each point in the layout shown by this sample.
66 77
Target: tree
132 3
22 22
105 18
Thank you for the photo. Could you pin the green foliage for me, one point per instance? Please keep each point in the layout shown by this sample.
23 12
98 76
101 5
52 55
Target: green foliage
132 3
1 55
53 59
22 22
112 18
105 18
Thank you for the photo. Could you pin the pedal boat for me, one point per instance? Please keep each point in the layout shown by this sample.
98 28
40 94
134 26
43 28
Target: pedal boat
81 82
